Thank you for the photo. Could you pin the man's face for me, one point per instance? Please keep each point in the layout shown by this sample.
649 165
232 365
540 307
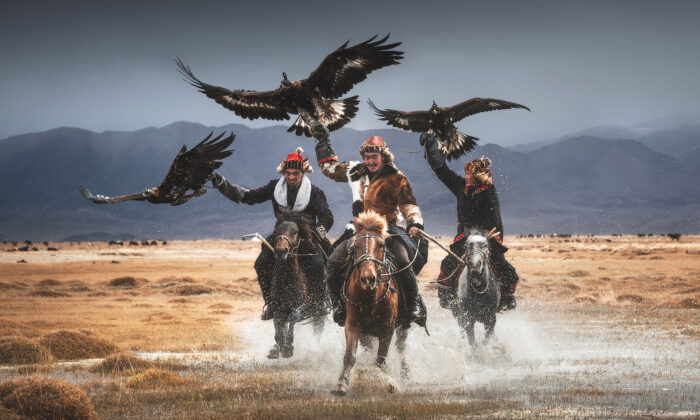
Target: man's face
373 161
469 178
293 177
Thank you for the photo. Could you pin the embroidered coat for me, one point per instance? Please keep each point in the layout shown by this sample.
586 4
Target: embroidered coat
310 200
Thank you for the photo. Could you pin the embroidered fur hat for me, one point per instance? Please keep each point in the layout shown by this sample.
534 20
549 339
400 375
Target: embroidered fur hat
295 161
375 144
480 169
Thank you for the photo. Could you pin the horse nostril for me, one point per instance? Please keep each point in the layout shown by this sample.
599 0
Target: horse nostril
281 253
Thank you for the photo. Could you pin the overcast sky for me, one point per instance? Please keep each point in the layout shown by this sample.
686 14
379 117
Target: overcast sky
109 65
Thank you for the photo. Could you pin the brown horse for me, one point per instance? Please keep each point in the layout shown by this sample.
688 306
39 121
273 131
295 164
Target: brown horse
371 295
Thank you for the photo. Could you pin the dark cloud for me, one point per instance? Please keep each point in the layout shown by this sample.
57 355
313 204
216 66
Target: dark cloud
109 65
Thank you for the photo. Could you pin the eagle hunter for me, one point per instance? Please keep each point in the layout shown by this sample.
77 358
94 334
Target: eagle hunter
439 121
189 171
313 98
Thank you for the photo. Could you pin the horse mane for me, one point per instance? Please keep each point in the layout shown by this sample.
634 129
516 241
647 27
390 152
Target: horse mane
372 221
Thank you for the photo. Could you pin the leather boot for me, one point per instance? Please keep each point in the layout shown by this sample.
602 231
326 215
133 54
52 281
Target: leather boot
414 309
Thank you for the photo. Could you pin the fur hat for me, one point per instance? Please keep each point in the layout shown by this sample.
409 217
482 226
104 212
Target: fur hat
375 144
295 161
480 169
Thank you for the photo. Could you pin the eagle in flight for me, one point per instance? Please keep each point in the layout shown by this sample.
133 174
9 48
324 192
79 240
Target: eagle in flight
439 121
314 98
188 172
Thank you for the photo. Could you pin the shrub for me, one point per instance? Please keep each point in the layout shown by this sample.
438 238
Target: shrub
70 345
16 350
122 362
44 398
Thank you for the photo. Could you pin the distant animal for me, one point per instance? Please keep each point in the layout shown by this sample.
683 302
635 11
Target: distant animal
165 242
478 290
641 235
675 236
51 249
290 290
439 121
190 170
134 243
371 297
313 98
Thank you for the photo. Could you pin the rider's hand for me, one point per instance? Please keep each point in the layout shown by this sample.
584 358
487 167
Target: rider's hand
413 232
425 138
319 130
217 179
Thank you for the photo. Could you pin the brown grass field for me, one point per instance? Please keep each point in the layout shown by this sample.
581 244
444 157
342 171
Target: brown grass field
605 327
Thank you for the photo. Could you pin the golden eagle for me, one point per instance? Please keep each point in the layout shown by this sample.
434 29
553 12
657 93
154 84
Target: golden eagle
439 121
189 171
314 98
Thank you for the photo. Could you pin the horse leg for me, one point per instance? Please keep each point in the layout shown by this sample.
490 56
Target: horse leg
366 342
318 324
383 349
401 335
469 329
352 335
279 339
490 327
288 348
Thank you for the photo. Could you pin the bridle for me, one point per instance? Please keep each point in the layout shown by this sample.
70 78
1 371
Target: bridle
486 261
385 268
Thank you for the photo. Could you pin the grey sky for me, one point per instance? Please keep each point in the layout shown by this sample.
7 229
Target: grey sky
109 65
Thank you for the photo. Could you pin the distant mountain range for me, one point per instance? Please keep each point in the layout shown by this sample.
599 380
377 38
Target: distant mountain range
579 184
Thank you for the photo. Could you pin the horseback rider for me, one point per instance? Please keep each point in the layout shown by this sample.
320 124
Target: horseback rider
293 196
477 207
376 184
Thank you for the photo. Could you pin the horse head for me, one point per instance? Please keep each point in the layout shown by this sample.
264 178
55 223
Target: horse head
286 239
368 250
477 251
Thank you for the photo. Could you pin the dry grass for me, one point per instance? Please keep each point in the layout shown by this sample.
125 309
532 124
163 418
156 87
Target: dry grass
121 363
189 290
20 350
44 398
125 282
71 345
156 379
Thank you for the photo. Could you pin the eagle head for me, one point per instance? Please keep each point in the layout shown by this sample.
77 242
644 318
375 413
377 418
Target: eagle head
435 109
285 83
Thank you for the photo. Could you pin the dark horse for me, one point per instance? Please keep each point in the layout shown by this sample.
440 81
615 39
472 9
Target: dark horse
371 296
292 297
478 291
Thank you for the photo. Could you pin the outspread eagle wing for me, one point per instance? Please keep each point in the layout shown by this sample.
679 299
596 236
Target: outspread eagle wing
416 121
103 199
348 66
192 168
247 104
477 105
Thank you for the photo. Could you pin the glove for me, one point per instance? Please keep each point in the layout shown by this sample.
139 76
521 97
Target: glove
426 138
217 179
319 131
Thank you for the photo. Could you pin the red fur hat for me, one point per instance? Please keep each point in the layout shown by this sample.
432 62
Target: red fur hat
295 161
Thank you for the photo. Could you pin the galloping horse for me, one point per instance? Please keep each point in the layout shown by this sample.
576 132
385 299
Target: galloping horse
371 295
290 291
478 292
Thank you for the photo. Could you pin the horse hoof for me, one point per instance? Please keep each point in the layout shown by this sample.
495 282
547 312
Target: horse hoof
340 392
274 353
288 352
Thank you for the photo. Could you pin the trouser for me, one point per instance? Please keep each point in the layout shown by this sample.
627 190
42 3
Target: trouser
311 264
